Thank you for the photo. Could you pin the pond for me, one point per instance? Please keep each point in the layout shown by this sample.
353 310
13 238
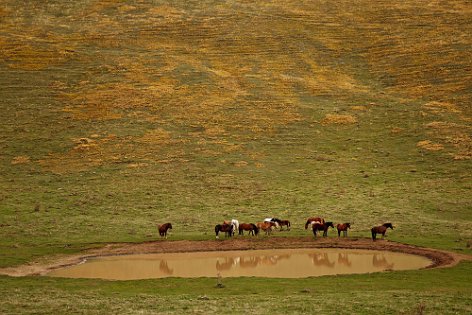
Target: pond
273 263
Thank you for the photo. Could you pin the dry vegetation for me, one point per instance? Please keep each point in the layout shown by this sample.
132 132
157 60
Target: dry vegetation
120 114
251 106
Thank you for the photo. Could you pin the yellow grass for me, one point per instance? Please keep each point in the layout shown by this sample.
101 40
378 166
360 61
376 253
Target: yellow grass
430 146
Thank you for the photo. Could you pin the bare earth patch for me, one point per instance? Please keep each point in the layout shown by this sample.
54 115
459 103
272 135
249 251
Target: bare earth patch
439 258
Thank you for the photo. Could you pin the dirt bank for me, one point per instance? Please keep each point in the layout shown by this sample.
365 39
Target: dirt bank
439 258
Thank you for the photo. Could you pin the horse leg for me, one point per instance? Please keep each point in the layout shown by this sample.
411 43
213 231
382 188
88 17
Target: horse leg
373 235
339 233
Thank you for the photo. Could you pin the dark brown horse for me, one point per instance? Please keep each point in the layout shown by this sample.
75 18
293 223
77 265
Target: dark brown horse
283 223
163 229
343 228
313 220
227 228
252 228
382 229
322 227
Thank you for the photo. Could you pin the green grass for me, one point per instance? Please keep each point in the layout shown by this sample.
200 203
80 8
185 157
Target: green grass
118 115
444 291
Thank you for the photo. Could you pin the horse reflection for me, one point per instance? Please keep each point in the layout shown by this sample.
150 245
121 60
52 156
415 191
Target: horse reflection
343 259
273 259
229 262
249 262
321 259
164 268
379 260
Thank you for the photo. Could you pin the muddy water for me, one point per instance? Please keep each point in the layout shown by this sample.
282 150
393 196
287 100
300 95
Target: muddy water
274 263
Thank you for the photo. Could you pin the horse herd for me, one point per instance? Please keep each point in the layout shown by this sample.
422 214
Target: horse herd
317 224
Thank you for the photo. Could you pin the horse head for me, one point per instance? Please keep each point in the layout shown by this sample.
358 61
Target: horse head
329 224
388 225
256 229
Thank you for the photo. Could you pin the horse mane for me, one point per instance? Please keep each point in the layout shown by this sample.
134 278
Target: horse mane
388 225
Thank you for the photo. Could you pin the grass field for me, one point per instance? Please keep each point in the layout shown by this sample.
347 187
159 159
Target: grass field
118 115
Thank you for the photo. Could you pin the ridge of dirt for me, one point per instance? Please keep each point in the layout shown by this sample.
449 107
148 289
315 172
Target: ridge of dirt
439 258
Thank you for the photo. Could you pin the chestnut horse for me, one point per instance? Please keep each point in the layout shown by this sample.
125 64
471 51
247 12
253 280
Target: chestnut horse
273 220
163 229
313 220
382 229
266 226
343 228
227 228
252 228
322 227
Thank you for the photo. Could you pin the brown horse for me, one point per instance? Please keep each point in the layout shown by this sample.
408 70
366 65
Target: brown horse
322 227
163 229
313 220
227 228
252 228
266 226
382 229
343 228
283 223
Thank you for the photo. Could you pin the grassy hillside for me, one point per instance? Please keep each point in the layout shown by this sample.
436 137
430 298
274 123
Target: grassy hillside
117 115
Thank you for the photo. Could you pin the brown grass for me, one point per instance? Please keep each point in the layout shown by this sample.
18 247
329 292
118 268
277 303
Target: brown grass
430 146
22 159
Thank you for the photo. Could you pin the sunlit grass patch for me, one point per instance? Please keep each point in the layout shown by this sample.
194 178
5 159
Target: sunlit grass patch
429 145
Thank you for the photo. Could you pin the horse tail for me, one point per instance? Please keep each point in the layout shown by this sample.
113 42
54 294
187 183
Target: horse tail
373 234
306 224
256 229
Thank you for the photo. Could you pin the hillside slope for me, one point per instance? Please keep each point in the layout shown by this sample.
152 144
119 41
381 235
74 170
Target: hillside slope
120 114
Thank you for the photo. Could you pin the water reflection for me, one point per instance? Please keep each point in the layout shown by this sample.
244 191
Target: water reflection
249 261
343 259
321 259
282 263
164 268
379 260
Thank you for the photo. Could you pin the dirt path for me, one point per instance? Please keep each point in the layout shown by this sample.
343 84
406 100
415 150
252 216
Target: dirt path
439 258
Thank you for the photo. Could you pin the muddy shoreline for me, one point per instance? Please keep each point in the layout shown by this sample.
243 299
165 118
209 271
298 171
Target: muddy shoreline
439 258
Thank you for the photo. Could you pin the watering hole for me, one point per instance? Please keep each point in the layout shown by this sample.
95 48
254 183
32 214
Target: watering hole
273 263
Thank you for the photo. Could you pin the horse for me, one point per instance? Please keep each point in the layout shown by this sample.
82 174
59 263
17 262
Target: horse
313 220
343 228
163 229
252 228
273 220
322 227
285 223
234 223
266 226
382 229
227 228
